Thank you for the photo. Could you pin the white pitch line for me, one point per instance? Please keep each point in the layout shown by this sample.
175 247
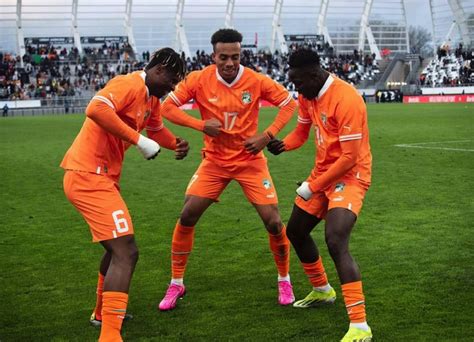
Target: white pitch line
436 142
434 148
416 145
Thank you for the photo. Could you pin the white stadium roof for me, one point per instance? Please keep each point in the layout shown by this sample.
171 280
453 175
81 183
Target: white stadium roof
371 25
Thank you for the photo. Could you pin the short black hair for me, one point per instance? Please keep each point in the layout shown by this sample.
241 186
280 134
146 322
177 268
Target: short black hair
226 35
169 59
303 58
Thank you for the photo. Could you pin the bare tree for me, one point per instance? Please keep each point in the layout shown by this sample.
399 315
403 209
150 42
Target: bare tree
421 40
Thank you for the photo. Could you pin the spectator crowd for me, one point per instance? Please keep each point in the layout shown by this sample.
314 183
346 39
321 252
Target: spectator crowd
449 68
49 71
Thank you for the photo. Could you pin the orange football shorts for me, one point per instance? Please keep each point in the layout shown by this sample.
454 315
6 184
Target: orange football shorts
210 180
347 194
98 199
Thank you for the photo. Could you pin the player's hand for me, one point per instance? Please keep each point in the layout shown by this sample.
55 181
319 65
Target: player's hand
182 148
212 127
147 147
276 146
256 143
304 191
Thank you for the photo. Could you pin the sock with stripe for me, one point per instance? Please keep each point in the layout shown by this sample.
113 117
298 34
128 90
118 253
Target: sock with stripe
98 303
280 247
317 275
114 307
181 247
355 303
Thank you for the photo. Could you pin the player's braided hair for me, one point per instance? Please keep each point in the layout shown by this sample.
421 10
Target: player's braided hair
169 59
303 57
226 36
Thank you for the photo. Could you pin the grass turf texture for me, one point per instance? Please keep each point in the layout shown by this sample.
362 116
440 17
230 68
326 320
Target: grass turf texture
413 240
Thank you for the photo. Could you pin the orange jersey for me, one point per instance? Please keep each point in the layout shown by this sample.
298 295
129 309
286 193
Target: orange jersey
339 118
98 151
235 105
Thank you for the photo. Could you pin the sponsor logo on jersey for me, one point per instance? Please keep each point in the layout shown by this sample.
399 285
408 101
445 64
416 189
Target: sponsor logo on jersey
213 99
246 97
267 184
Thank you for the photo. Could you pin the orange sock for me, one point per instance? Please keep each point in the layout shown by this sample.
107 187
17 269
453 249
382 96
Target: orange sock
181 247
98 303
114 307
280 247
316 273
355 301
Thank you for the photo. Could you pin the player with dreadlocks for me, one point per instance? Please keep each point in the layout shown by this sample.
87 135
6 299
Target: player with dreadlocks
114 119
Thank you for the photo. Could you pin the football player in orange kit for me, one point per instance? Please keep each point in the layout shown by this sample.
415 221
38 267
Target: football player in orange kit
228 96
114 119
335 189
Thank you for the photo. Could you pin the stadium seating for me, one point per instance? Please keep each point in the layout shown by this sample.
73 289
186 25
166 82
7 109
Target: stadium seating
449 69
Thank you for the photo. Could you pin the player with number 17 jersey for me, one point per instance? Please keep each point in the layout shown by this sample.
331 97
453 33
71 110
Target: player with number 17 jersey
236 105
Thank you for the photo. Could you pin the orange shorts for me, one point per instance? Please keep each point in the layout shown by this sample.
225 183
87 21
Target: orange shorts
210 180
98 200
347 194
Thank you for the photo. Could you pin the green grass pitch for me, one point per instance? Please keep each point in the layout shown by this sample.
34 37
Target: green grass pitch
413 241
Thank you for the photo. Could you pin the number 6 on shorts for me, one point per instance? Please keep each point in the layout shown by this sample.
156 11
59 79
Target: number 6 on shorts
120 222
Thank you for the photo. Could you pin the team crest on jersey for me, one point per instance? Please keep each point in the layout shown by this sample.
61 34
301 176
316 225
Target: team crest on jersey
324 118
266 184
339 187
246 97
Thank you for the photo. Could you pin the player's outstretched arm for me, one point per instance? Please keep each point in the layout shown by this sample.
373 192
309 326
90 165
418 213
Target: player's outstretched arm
296 138
257 142
168 140
283 117
276 94
104 116
179 117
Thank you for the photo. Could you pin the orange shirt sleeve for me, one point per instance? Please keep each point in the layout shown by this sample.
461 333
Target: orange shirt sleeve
300 134
164 137
277 95
156 130
103 109
184 92
106 117
350 113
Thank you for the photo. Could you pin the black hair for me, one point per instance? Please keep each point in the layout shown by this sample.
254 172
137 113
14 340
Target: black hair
169 59
226 35
303 57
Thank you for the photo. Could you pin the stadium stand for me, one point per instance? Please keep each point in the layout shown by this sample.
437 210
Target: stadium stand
354 41
449 68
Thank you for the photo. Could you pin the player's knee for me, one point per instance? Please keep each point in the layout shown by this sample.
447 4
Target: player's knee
188 218
128 256
274 225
